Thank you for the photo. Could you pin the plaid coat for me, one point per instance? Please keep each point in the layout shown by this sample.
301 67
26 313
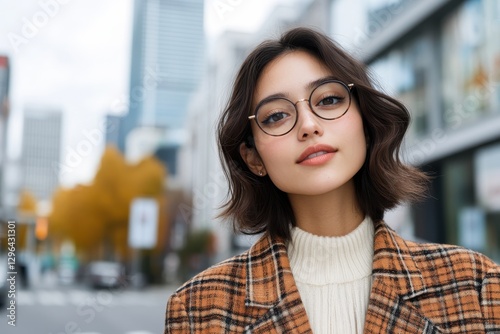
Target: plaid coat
417 288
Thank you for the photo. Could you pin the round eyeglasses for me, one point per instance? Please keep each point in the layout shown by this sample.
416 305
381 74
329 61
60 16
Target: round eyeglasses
277 116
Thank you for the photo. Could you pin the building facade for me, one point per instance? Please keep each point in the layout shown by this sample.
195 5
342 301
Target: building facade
40 157
166 66
442 59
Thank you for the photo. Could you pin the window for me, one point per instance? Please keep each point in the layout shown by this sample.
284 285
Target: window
471 198
471 62
405 74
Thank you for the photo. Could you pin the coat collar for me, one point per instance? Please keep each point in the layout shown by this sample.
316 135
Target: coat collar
270 278
269 275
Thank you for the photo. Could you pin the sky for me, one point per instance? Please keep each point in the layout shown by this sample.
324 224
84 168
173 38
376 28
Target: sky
73 56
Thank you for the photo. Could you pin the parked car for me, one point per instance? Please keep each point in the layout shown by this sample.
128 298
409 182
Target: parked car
105 274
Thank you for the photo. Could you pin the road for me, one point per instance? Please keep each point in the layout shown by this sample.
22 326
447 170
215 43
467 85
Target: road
71 310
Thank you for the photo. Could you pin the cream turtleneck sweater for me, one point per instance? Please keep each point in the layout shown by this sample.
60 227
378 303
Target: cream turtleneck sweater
333 275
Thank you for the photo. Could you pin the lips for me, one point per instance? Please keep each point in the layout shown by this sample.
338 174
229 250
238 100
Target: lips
315 151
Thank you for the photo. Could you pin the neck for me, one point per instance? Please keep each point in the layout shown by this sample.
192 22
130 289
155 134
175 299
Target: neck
335 213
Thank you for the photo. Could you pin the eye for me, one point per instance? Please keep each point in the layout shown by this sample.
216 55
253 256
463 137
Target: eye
330 101
275 117
275 112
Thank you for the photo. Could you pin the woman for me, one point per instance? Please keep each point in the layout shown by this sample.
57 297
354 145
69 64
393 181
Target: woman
310 150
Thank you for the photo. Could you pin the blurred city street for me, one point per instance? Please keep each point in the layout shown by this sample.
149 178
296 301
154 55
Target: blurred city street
109 158
51 308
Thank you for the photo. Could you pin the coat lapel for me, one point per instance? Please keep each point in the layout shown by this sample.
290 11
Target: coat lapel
396 281
271 290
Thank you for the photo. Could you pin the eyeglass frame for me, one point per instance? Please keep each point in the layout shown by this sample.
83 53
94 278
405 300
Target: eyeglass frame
348 87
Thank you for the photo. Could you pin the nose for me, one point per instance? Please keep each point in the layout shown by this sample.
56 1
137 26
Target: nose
308 123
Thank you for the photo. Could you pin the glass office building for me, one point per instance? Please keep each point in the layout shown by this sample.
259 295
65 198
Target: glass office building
167 61
41 148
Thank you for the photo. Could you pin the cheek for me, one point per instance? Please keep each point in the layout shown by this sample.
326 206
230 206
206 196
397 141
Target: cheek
353 127
353 137
275 155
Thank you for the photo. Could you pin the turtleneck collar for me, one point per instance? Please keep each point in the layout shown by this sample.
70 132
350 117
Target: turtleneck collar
322 260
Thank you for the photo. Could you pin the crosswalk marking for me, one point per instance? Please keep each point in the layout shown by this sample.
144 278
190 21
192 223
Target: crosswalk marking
78 297
51 298
81 297
25 298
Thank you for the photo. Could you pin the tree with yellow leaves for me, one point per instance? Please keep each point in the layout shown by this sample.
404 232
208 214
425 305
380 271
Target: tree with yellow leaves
95 216
27 203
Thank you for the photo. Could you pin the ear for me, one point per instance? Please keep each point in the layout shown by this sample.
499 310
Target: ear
252 160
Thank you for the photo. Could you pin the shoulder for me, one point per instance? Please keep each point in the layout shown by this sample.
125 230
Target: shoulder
437 263
225 281
436 281
216 288
233 272
216 295
454 256
230 272
212 294
469 278
443 262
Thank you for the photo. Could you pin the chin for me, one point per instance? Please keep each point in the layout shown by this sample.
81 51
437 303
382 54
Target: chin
317 189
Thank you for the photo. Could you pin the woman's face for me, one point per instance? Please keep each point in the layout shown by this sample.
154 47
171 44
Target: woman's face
317 156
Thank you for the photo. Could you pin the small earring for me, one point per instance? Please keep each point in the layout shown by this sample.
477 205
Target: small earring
260 173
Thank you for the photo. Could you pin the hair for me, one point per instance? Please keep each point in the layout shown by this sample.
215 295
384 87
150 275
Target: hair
254 203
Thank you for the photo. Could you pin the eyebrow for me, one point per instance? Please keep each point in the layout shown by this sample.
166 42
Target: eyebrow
316 83
310 86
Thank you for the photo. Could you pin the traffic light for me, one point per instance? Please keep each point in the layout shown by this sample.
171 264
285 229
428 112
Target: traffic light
41 228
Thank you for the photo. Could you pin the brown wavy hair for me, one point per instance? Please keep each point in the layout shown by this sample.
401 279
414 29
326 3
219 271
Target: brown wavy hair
254 203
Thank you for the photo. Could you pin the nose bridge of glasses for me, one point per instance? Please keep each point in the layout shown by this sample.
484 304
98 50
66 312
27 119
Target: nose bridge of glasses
309 117
301 100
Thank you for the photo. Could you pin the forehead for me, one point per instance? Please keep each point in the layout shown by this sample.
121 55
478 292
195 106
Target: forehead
290 74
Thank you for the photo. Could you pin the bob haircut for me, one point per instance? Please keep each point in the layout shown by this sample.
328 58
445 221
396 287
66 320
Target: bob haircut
254 203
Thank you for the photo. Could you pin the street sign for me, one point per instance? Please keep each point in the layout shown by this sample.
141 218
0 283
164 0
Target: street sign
143 223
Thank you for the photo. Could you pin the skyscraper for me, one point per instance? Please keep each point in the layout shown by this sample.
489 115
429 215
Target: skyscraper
41 152
167 59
